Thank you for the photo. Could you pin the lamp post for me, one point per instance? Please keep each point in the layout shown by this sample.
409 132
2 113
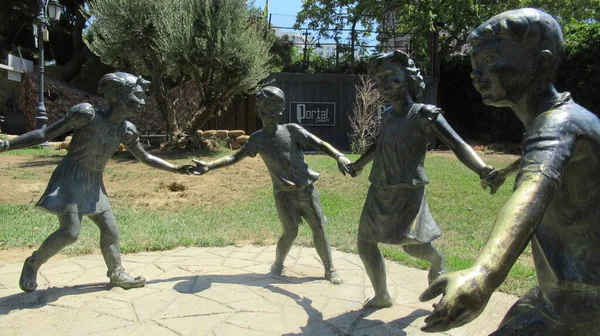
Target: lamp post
47 9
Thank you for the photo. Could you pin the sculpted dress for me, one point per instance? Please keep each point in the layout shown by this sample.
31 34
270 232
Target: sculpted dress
76 185
396 210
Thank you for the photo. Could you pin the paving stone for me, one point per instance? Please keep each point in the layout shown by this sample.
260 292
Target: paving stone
194 325
14 268
221 291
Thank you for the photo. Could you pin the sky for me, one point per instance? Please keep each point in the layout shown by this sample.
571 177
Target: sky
283 14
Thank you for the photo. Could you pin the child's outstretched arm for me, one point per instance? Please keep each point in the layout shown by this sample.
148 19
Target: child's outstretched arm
77 116
495 179
202 166
357 166
466 293
155 162
465 153
328 149
131 141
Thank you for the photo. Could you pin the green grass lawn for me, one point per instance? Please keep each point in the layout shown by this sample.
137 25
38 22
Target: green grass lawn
461 208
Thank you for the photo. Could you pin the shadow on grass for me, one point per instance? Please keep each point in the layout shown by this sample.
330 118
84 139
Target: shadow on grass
167 155
41 163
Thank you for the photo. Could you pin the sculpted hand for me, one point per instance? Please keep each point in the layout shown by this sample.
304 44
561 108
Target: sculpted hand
353 169
201 167
493 179
343 163
186 169
4 145
432 111
464 296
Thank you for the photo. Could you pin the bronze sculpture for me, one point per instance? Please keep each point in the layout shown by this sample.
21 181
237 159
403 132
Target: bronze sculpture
396 210
76 187
554 205
295 196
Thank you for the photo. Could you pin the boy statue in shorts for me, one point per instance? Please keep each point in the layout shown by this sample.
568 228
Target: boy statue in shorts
280 147
554 205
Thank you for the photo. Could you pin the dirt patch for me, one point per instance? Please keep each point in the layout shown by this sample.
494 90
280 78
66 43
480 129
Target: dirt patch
508 158
19 254
129 181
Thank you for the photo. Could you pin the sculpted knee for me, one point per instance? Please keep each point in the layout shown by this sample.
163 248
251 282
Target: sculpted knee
69 236
291 231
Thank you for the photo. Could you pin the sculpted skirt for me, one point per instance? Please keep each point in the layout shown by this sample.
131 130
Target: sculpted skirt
397 214
76 190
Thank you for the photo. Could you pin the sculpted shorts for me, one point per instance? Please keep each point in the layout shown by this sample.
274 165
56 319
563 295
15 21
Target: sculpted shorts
292 205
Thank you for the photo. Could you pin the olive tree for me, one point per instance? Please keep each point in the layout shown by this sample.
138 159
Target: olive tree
219 44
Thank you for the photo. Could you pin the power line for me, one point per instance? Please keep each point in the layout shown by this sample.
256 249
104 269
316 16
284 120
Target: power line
315 29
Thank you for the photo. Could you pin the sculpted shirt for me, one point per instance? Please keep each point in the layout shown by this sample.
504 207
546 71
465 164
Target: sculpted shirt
401 147
76 184
282 153
564 145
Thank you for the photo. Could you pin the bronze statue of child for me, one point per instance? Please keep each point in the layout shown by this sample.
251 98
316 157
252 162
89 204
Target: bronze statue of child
556 198
280 147
396 210
76 187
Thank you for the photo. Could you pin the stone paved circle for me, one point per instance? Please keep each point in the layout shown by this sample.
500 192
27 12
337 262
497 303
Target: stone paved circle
220 291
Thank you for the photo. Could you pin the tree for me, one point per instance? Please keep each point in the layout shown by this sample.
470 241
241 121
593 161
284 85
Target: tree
125 35
219 44
65 47
579 72
449 22
282 51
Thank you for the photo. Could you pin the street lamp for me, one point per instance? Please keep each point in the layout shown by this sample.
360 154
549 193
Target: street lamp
47 9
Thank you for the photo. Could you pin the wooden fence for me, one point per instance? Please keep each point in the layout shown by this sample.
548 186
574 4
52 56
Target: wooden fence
319 102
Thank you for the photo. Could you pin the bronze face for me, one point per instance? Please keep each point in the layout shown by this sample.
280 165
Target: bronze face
390 80
500 72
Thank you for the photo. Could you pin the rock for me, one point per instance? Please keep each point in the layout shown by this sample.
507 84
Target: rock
223 134
64 145
209 134
236 133
242 139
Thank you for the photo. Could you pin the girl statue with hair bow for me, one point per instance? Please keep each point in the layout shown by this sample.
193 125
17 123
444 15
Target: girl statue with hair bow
396 210
76 187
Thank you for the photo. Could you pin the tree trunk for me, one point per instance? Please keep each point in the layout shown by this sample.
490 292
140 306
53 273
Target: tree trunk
164 104
207 113
80 50
353 41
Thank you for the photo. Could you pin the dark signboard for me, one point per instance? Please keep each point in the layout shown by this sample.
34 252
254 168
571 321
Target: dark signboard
312 113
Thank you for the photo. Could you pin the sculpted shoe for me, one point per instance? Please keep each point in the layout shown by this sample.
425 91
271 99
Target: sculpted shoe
28 279
333 277
126 281
276 269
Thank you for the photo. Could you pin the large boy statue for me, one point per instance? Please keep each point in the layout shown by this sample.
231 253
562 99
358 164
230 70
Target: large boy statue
556 198
280 147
